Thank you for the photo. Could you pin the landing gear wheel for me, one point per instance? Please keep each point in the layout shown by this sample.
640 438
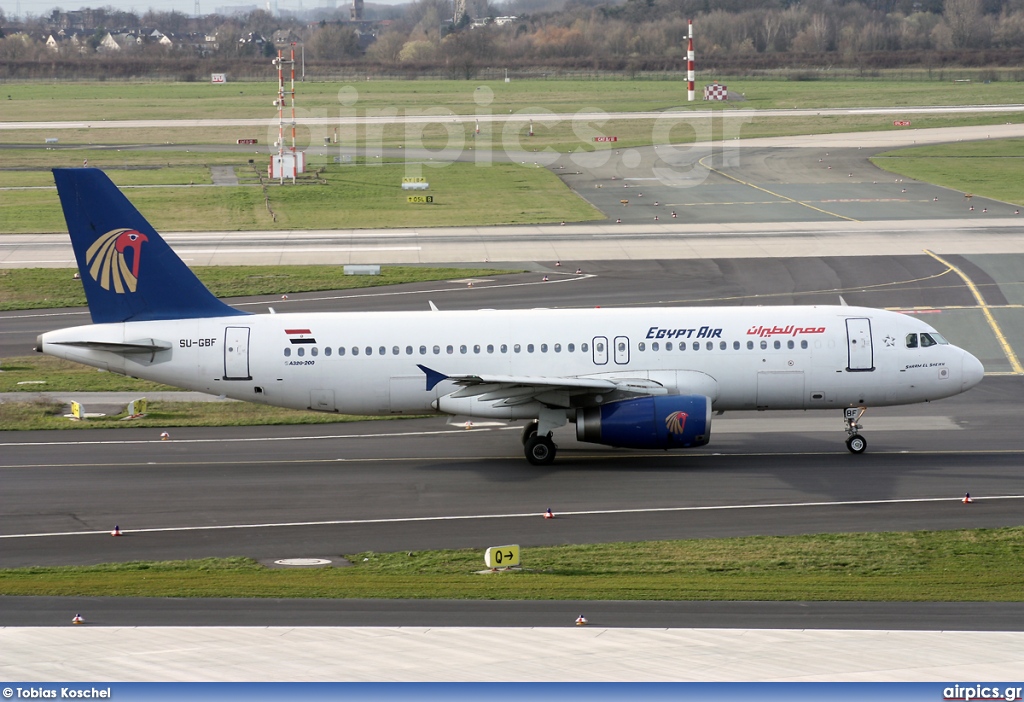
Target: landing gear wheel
529 430
540 450
857 444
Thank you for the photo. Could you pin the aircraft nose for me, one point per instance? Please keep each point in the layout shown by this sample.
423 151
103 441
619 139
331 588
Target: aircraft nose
973 371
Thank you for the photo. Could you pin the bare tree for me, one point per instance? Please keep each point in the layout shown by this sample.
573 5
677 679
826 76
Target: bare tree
334 42
963 18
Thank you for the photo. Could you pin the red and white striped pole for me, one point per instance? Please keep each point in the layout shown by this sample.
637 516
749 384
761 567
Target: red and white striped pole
690 93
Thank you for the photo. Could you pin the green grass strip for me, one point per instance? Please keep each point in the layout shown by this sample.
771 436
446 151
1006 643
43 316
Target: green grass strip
49 414
38 288
932 566
986 168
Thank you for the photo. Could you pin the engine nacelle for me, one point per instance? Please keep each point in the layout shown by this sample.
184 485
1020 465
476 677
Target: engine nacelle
663 422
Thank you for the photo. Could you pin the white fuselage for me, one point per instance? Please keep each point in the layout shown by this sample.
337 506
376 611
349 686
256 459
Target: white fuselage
367 363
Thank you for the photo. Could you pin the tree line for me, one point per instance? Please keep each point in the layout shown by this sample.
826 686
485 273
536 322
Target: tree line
734 36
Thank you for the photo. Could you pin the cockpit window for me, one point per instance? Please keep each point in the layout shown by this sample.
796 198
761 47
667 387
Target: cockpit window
927 340
911 341
939 339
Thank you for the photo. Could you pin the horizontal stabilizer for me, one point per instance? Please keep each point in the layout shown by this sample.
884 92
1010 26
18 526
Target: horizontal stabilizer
127 347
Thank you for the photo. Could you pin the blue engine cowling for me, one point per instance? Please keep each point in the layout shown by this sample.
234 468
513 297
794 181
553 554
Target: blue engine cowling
664 422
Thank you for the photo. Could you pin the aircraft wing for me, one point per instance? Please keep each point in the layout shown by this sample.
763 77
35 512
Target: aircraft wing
508 390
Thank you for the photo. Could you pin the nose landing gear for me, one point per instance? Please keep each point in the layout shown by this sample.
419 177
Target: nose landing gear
854 441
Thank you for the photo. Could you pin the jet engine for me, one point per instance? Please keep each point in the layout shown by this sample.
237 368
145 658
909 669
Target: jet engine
663 422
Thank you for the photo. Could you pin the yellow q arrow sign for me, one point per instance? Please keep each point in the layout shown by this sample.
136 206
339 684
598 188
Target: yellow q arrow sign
502 556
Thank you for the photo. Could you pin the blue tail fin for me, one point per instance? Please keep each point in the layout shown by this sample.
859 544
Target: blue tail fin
128 271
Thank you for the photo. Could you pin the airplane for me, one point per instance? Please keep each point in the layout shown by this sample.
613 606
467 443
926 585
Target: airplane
641 378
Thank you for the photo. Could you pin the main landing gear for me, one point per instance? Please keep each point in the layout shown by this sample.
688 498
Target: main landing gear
854 441
540 450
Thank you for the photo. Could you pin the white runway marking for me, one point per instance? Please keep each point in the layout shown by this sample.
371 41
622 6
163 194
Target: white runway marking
519 515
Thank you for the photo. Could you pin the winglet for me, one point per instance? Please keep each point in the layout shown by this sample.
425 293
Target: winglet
433 377
128 271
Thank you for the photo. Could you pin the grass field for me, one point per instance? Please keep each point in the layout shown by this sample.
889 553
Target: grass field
345 197
120 101
942 566
987 168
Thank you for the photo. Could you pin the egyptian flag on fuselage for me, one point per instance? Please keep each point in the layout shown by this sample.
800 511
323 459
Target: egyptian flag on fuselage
300 336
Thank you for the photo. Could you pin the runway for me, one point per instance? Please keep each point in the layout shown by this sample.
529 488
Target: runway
280 492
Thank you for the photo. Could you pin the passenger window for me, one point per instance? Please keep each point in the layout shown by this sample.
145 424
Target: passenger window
570 348
750 345
927 340
803 344
543 348
490 348
622 346
558 348
462 348
599 346
313 351
369 350
668 345
911 341
584 347
790 344
516 348
437 350
450 349
355 350
764 345
476 348
408 350
302 351
735 346
395 350
382 351
327 351
287 352
529 348
722 345
504 348
696 346
640 347
710 346
341 350
423 350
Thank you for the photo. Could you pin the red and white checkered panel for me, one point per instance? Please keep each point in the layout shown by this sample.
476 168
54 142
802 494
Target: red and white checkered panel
716 92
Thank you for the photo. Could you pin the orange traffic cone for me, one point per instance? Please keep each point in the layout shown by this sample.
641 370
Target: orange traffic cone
581 620
967 499
77 619
549 514
164 436
116 531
